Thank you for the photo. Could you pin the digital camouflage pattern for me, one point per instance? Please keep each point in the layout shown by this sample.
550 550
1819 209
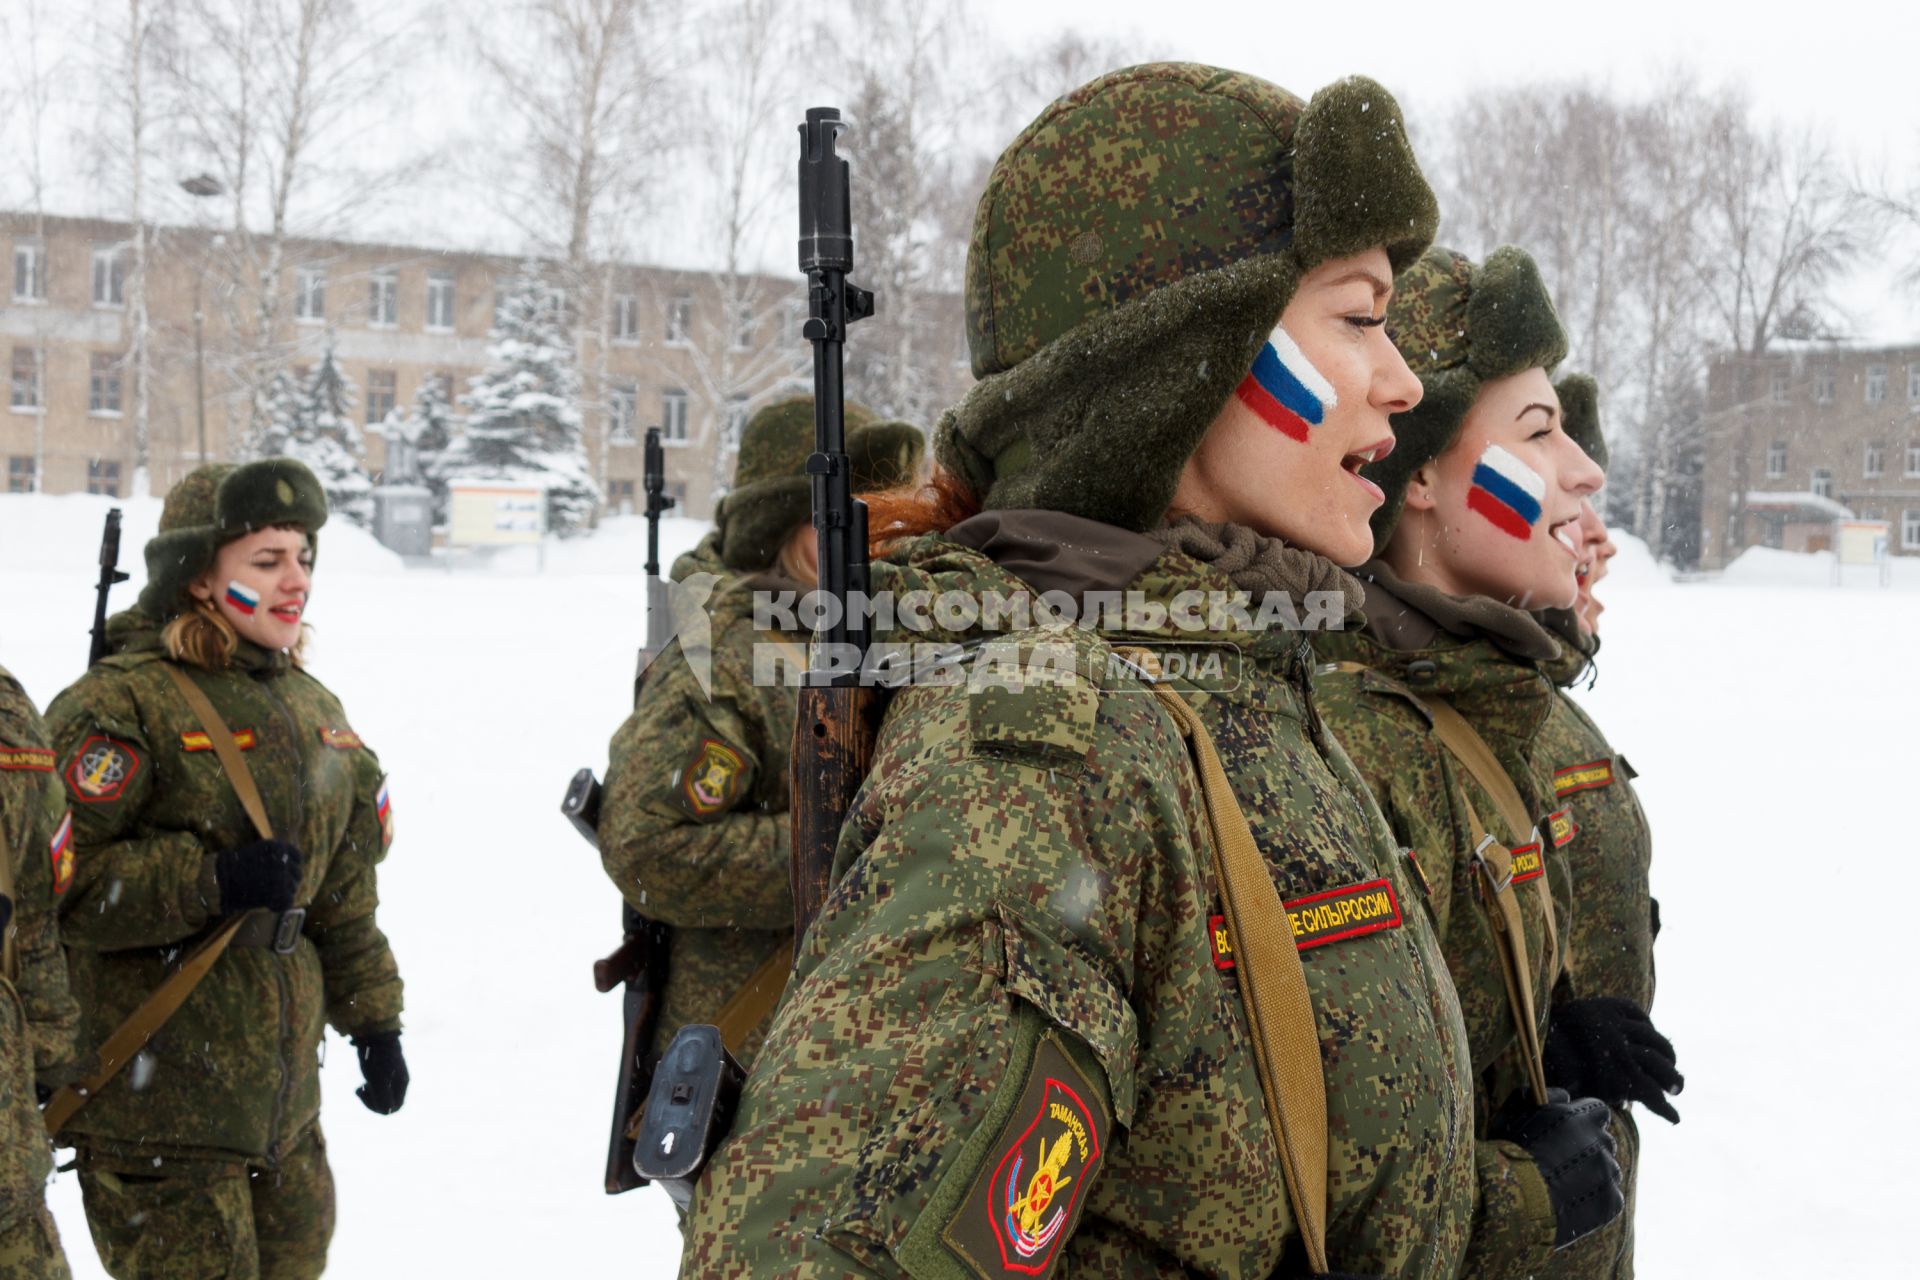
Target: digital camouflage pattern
38 1020
214 1220
233 1076
1610 945
1507 698
1021 921
693 818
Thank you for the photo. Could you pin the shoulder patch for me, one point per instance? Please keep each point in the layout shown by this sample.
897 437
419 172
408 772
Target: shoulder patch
1032 1186
198 740
33 759
1576 778
1527 863
1562 827
341 739
383 809
709 782
101 770
60 851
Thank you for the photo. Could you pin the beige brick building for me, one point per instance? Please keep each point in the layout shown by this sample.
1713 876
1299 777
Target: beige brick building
687 351
1799 438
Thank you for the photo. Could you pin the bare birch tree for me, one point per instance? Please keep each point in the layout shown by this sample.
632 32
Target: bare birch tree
33 69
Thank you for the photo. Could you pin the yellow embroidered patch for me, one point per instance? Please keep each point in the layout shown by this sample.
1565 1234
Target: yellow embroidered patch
1562 827
1339 914
197 740
36 759
710 781
1582 777
341 739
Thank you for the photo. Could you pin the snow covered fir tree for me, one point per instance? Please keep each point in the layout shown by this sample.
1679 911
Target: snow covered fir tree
314 423
523 412
417 442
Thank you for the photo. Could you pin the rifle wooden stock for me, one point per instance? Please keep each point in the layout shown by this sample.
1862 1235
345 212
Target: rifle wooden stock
833 737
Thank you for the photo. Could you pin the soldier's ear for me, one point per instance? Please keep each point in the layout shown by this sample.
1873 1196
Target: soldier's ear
1420 488
201 588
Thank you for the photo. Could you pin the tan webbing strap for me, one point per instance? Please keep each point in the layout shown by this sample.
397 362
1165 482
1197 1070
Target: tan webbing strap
131 1036
746 1008
1273 983
230 758
1496 864
1471 750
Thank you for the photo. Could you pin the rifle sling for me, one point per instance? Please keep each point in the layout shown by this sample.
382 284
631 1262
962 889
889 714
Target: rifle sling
748 1007
1273 982
144 1023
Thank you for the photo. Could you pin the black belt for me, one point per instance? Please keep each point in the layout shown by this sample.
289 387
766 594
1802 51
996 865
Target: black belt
277 931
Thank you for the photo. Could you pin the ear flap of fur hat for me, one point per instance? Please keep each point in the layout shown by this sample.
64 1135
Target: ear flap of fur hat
1355 180
1580 415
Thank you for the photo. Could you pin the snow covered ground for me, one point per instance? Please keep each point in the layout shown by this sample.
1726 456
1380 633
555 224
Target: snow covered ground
1771 718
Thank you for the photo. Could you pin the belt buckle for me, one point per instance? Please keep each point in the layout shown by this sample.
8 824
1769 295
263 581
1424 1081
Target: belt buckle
1495 887
286 934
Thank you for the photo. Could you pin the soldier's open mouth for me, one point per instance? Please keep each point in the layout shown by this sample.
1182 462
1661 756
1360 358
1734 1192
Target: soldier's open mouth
288 612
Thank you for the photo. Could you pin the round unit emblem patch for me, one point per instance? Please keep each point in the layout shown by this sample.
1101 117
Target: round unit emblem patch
102 769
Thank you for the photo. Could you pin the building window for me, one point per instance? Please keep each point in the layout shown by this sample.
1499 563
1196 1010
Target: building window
1823 386
1777 386
24 385
1822 483
440 300
103 478
382 393
733 425
1910 530
19 475
1777 460
626 318
383 300
103 385
1875 462
677 490
1876 384
743 326
310 294
673 417
1913 381
623 414
110 276
1913 457
679 322
29 271
620 496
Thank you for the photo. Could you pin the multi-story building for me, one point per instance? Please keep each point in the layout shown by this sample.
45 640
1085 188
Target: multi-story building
691 352
1807 435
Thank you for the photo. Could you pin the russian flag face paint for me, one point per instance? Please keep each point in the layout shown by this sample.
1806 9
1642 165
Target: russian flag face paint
243 598
1284 388
1507 492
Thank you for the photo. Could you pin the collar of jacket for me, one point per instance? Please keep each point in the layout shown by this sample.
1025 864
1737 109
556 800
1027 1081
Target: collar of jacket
1412 615
1578 650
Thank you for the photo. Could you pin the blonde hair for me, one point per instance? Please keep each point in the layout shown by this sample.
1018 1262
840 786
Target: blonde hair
204 638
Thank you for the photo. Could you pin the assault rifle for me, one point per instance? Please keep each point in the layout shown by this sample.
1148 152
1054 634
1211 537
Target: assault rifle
698 1084
639 964
110 573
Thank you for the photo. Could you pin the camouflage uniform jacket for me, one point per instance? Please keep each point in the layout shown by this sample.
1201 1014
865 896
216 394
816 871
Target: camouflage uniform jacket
1008 1047
1610 946
234 1073
38 1019
1473 654
693 823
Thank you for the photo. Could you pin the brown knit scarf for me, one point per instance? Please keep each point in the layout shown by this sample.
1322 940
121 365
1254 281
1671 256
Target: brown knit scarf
1257 563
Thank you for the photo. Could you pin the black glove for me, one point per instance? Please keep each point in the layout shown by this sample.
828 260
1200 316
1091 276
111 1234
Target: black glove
265 873
1573 1150
1607 1048
385 1071
6 906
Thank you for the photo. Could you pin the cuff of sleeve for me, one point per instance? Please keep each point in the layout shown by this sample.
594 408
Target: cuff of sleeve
1536 1204
200 897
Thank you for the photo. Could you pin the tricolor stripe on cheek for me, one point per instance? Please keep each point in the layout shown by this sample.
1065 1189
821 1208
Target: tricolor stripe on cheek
1284 388
241 597
1507 492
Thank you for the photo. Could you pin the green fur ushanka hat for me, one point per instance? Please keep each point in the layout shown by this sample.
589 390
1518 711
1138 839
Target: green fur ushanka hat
215 504
1133 250
771 493
1580 415
1459 326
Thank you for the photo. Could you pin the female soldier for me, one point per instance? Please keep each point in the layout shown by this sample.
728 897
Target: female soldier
204 1156
693 827
37 1017
1601 1040
1481 498
1014 1042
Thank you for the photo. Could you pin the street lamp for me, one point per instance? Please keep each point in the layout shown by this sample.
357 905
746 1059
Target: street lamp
201 186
